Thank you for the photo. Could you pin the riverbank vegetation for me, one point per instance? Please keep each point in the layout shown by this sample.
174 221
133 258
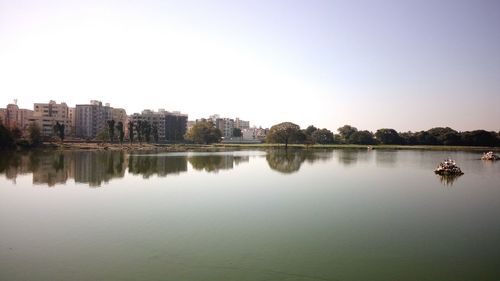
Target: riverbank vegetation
203 133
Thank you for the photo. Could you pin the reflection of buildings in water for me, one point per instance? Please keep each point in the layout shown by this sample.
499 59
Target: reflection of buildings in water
13 164
156 165
448 180
241 159
95 167
51 169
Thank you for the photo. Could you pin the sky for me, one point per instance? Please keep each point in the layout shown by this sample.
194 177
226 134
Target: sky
402 64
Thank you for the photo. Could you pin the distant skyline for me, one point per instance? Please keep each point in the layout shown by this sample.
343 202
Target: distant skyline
407 65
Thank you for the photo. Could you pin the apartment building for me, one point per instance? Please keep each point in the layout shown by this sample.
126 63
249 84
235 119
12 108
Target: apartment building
171 125
91 119
46 115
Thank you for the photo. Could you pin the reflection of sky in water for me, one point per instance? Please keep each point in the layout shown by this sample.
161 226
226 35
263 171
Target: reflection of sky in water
387 214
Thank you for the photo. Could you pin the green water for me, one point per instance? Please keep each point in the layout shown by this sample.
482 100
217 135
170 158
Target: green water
248 215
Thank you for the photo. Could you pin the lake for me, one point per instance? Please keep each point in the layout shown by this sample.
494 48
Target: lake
248 215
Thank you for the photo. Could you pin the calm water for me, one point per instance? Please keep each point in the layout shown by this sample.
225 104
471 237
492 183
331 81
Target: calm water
248 215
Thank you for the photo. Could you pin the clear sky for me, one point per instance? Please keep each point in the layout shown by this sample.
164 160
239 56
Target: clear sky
403 64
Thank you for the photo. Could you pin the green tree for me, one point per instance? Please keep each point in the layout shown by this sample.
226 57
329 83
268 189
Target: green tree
111 130
146 130
323 136
204 132
286 133
6 138
121 133
103 135
362 137
35 134
346 131
139 131
388 136
237 133
59 130
131 131
154 129
310 130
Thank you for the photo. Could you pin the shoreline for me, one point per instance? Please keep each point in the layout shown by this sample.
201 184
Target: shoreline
229 147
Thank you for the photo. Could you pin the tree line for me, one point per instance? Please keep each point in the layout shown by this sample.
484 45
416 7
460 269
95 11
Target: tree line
205 132
288 133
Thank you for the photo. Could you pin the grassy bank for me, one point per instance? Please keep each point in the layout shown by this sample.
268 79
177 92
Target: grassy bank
225 147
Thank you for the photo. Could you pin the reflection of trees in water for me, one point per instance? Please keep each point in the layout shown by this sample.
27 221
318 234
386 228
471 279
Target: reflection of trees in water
147 166
349 157
214 163
96 167
448 180
289 161
56 167
386 158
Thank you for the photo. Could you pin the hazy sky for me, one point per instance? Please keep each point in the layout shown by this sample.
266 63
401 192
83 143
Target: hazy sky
408 65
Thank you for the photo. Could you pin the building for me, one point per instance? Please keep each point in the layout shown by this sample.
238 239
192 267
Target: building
46 115
240 124
72 121
175 126
226 126
171 126
91 119
120 115
11 116
24 118
3 112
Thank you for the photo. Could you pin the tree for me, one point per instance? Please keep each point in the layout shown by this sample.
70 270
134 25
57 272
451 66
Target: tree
111 130
146 130
346 131
204 132
6 138
121 133
155 132
237 133
480 138
35 134
286 133
16 133
388 136
59 130
323 136
103 135
131 131
362 137
139 130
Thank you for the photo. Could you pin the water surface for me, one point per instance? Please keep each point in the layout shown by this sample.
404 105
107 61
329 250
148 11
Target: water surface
248 215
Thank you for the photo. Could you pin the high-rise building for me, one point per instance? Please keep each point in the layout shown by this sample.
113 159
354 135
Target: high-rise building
3 111
11 116
240 124
24 118
72 121
46 115
91 119
175 126
120 115
226 126
171 126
